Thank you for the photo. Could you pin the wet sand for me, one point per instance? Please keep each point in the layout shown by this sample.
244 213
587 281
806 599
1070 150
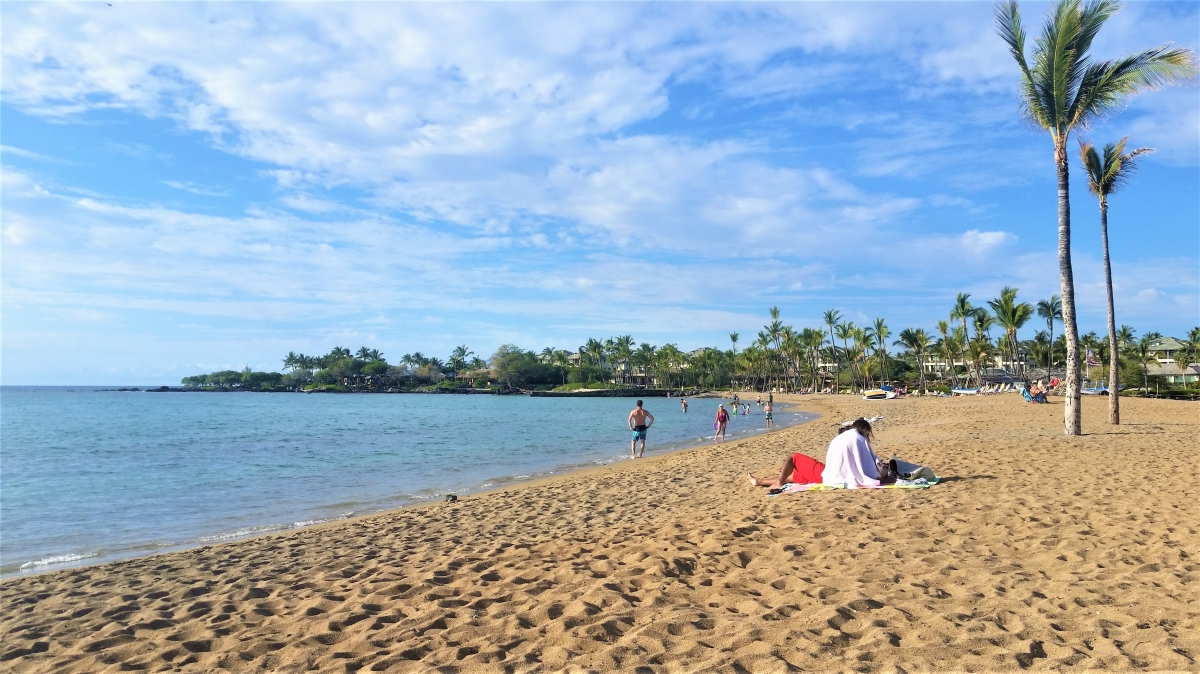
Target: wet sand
1037 552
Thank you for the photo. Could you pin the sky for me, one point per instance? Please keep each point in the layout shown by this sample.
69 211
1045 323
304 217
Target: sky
192 187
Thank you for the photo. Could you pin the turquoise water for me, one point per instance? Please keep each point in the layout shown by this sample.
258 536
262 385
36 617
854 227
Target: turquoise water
89 476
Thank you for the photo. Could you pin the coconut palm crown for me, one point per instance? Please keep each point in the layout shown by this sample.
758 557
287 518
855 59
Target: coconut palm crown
1065 88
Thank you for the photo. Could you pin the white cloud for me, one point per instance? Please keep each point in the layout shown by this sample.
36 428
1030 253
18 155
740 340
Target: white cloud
193 188
35 156
523 160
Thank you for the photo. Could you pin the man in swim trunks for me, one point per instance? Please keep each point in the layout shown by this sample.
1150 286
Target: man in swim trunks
683 404
640 421
770 419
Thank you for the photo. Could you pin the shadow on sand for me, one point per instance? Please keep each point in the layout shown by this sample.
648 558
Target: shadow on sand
959 478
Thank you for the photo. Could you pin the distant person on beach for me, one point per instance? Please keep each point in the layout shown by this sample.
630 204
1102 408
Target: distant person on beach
683 405
640 421
770 419
720 424
759 401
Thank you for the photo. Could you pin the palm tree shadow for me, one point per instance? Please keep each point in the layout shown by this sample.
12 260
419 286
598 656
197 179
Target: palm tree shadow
959 478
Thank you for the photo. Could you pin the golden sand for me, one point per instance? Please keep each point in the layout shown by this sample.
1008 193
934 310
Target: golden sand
1038 551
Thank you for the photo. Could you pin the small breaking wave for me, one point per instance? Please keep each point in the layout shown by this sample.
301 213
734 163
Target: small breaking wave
56 559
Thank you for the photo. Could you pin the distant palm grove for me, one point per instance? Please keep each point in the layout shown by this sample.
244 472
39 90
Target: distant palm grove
973 346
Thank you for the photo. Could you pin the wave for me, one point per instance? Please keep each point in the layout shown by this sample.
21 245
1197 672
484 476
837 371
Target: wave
57 559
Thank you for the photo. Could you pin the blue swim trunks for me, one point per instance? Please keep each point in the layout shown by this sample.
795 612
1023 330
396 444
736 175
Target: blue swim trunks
639 433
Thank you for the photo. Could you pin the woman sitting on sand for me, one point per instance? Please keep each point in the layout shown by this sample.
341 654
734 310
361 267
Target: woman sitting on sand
849 462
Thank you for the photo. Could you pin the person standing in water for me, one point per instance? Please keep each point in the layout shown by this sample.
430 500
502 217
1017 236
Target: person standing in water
683 404
770 419
639 421
720 424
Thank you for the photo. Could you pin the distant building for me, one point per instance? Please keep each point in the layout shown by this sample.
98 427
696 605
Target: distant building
1164 349
1173 373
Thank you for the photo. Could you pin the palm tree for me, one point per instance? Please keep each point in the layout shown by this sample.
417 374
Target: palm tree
864 339
844 330
623 351
1066 89
917 341
831 317
962 309
560 360
1141 353
879 330
1105 174
1012 316
1051 310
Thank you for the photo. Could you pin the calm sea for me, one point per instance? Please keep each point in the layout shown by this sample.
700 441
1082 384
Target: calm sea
89 476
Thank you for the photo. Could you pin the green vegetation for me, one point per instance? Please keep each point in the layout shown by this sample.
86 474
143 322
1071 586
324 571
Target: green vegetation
233 380
839 356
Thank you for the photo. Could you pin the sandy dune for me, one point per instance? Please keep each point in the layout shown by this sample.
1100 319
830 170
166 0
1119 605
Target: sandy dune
1039 551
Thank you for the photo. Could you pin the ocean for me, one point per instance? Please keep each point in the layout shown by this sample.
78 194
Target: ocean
88 476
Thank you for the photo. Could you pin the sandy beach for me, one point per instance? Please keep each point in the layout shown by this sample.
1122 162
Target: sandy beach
1038 551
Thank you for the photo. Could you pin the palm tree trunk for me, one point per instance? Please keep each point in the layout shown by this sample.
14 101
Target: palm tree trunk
1050 351
1114 404
1072 421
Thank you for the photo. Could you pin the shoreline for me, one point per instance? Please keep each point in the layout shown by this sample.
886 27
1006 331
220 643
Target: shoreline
71 560
1031 553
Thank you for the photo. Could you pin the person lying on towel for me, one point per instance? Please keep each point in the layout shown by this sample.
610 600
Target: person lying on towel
849 462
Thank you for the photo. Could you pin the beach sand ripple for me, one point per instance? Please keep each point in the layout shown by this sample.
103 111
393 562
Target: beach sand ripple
1037 552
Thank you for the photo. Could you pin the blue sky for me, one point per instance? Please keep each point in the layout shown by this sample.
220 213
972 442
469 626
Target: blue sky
190 187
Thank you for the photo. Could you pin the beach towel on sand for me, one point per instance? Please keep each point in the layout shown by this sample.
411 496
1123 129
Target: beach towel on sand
919 483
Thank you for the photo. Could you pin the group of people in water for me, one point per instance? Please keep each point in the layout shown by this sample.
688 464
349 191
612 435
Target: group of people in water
641 420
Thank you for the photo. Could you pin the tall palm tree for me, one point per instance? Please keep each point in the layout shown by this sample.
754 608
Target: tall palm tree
864 339
983 322
844 330
1051 310
879 330
1106 172
1065 89
962 309
917 341
832 316
1012 316
1140 352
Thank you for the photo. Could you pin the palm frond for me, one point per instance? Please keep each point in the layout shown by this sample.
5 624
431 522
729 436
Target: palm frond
1106 84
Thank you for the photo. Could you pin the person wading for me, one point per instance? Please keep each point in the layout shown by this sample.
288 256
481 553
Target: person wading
640 421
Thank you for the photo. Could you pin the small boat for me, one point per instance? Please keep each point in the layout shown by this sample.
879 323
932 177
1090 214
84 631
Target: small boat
878 394
964 391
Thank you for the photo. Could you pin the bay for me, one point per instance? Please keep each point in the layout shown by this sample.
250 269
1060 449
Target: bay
89 475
